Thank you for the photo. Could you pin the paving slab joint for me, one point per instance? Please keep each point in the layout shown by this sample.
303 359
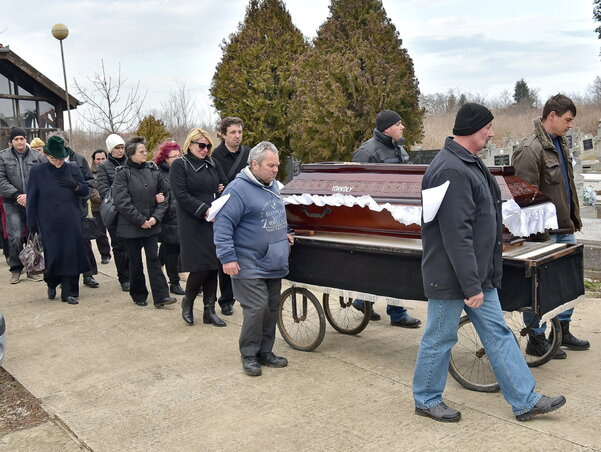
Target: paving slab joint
63 425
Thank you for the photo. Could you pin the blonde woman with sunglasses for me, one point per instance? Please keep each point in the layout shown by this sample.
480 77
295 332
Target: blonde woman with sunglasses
196 181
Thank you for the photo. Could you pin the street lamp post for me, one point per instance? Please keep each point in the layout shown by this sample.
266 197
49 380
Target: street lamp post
60 32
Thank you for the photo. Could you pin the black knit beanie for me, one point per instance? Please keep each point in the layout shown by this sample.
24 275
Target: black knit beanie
17 132
386 118
471 118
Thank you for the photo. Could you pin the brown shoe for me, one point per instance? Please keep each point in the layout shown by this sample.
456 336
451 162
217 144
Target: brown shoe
15 277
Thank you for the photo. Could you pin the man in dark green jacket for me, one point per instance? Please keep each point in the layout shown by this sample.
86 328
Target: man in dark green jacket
543 160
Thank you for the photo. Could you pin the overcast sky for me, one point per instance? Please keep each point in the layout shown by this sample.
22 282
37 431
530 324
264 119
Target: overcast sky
479 46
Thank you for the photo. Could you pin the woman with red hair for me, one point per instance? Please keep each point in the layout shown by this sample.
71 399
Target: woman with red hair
169 238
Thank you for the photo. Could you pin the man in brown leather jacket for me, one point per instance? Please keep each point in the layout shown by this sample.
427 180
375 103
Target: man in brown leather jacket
543 160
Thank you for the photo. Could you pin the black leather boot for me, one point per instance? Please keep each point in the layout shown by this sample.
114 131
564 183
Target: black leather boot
187 310
570 341
209 315
538 345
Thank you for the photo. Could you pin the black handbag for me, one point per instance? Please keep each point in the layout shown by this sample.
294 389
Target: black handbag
89 228
108 210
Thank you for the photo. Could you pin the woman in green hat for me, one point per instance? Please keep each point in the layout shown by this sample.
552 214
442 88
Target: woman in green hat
53 209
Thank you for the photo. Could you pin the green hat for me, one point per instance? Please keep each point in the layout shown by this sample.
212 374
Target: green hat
56 148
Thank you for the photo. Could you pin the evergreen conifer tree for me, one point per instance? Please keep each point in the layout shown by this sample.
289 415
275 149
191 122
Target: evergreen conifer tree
251 80
154 131
597 15
356 68
521 93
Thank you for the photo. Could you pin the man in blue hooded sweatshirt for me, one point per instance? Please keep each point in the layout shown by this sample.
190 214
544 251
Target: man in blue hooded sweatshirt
253 244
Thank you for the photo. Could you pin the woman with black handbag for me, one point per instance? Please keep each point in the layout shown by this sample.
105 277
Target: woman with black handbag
196 180
116 157
54 190
139 192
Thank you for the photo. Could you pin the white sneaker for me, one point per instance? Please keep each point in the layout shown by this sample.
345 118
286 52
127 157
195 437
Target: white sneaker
35 278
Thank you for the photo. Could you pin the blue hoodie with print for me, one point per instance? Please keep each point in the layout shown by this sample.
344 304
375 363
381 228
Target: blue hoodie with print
251 229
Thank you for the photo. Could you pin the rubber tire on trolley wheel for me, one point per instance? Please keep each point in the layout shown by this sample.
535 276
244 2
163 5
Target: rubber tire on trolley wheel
301 320
469 364
343 317
515 321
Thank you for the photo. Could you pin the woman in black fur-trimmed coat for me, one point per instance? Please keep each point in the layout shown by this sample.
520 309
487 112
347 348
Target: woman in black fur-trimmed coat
196 181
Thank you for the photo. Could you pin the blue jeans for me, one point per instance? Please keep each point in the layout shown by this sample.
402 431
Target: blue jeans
15 221
513 375
396 313
566 316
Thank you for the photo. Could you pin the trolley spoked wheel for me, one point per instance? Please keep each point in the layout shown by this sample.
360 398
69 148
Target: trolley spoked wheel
343 317
521 331
301 320
469 364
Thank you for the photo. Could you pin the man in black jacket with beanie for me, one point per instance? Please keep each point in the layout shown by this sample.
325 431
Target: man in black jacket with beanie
462 268
386 146
15 163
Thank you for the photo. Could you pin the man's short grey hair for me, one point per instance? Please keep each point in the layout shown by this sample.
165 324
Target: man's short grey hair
61 134
258 152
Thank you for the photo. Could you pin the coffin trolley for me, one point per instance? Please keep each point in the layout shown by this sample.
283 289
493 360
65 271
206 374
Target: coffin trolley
358 236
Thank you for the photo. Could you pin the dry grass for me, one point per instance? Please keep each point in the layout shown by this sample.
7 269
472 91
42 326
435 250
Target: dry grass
509 123
19 409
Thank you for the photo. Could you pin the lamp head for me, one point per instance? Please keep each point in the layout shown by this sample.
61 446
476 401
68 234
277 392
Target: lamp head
60 31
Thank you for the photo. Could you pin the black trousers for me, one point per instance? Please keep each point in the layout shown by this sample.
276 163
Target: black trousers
226 296
119 255
87 244
207 280
69 284
102 241
169 257
158 283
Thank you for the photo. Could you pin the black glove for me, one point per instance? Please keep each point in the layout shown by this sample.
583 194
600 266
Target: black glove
67 182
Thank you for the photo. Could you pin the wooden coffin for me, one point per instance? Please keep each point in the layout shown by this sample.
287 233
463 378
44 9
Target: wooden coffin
396 184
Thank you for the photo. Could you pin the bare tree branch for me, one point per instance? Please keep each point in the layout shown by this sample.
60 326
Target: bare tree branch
179 111
107 110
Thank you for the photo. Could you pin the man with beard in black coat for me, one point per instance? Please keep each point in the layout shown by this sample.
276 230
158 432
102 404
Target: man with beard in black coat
233 157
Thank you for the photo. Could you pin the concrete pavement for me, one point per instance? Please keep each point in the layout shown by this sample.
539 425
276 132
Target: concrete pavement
115 376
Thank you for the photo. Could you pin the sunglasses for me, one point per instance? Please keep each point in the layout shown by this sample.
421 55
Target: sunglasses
202 145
